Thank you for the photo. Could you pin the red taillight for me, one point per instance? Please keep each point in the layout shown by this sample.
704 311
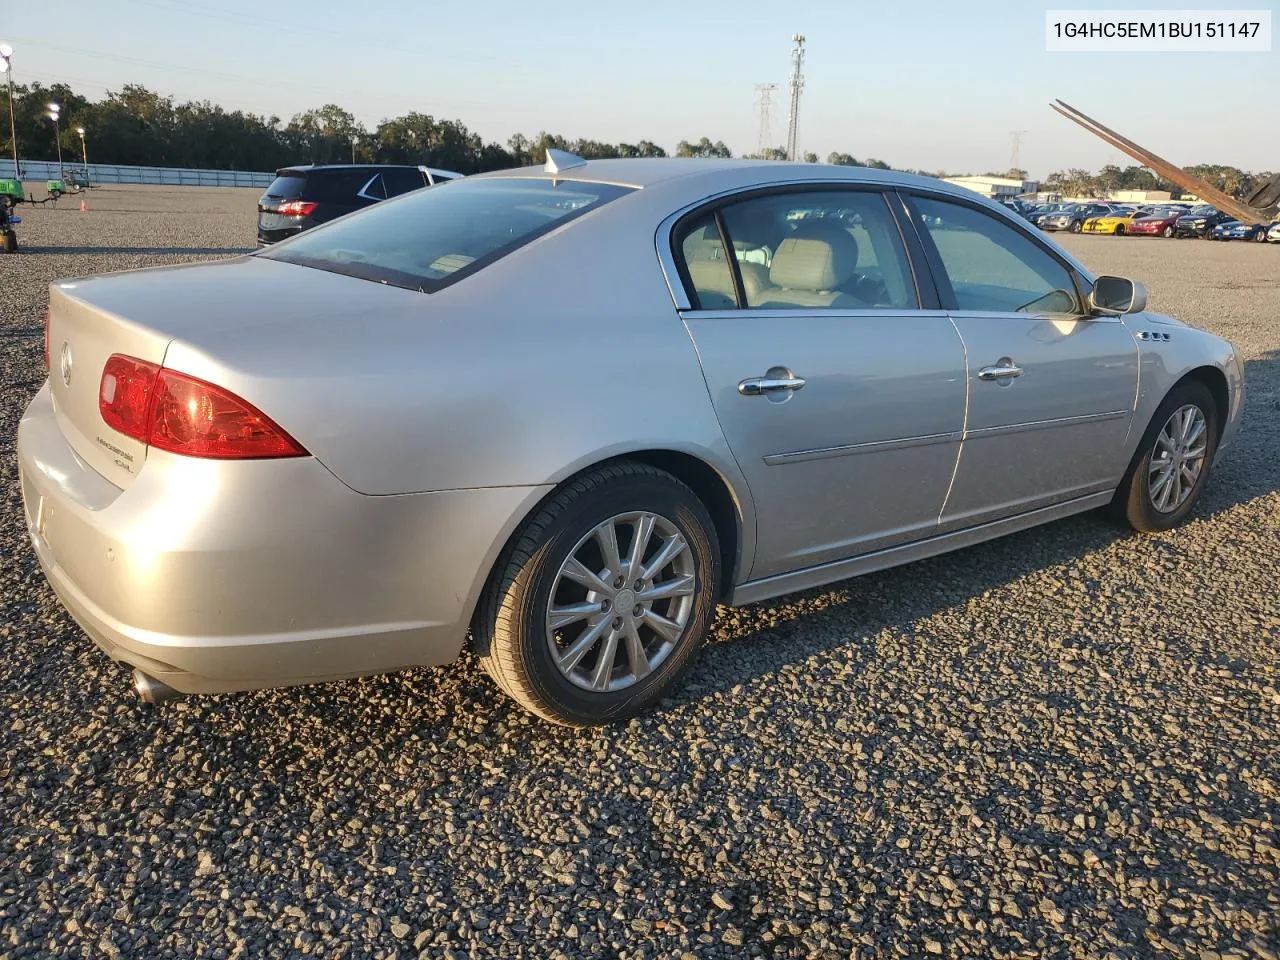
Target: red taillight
46 341
124 395
296 208
175 412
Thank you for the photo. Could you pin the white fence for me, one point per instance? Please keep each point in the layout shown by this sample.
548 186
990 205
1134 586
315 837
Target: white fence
41 170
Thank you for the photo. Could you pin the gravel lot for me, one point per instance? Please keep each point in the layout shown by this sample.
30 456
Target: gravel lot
1061 744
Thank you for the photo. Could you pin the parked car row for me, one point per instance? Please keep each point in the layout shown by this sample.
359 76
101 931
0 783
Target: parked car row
1175 220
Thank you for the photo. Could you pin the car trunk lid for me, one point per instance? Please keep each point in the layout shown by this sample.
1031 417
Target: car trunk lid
245 310
81 337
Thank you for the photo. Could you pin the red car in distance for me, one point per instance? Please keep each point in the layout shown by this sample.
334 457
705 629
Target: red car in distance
1158 223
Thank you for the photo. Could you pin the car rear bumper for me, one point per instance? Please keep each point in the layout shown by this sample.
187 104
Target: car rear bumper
268 237
216 577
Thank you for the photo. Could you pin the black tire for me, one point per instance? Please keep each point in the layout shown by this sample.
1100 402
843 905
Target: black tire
1119 231
10 242
1260 236
1132 503
1167 232
1075 226
509 631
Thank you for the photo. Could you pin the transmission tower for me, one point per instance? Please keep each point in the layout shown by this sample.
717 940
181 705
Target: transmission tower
1016 136
797 84
765 92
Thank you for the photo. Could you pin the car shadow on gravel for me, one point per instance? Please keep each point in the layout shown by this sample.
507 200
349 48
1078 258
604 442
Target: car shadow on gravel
760 640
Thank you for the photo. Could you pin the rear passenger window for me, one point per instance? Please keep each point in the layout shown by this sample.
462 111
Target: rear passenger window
707 266
373 188
402 181
337 186
837 249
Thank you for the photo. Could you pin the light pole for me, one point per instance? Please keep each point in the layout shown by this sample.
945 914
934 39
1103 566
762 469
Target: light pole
84 153
57 135
6 67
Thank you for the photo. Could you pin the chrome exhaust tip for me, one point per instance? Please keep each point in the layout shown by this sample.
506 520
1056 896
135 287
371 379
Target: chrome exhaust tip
151 690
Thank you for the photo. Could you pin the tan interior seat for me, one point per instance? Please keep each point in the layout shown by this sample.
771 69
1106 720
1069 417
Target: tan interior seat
809 266
711 276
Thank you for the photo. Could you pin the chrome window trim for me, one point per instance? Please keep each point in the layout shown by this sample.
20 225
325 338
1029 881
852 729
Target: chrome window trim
907 314
664 236
361 192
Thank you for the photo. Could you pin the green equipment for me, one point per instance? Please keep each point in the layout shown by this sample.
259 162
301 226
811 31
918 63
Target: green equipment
11 190
56 188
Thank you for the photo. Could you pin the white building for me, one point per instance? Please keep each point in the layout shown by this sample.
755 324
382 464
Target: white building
1139 196
995 187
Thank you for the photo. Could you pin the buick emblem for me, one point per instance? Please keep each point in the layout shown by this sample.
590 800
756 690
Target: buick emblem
64 364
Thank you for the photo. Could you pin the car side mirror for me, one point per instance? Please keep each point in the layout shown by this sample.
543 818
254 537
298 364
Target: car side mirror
1117 295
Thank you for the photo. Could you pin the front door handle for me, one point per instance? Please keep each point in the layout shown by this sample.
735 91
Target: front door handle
762 386
1006 369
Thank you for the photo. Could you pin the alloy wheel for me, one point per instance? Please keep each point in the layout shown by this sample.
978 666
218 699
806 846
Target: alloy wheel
1178 458
620 602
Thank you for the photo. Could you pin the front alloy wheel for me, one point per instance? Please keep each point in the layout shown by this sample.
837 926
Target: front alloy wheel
1178 458
1171 465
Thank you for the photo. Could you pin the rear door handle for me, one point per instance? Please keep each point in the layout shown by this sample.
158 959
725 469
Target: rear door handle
1004 370
762 386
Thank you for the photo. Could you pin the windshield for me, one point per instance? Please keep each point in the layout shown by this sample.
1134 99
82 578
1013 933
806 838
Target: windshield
1203 210
426 239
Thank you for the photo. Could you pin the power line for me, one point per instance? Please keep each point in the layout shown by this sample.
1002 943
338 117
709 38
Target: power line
797 84
1016 136
765 91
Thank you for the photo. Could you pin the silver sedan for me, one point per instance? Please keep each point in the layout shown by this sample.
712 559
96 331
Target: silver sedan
560 413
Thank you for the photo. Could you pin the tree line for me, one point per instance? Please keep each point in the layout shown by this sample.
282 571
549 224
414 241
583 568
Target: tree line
138 126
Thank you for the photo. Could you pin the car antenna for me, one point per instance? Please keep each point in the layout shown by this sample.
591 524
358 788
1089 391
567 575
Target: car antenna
558 160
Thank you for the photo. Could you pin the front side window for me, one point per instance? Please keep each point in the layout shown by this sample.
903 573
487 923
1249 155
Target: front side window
992 266
836 249
427 238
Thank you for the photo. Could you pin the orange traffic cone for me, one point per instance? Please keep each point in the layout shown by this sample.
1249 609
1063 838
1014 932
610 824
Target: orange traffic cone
83 207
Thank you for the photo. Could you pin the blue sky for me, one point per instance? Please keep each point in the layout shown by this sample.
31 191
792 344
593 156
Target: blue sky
933 85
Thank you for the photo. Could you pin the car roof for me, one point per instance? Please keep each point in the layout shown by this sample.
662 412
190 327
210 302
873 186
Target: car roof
644 172
339 167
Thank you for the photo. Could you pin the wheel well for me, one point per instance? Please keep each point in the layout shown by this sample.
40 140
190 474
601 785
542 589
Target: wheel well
1216 381
701 478
715 495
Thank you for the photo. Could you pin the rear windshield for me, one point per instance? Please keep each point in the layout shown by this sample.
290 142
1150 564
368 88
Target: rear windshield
427 239
288 187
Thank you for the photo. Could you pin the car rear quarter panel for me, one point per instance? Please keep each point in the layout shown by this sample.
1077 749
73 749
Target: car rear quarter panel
567 352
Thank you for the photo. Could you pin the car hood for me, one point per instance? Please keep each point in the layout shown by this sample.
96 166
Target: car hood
1162 318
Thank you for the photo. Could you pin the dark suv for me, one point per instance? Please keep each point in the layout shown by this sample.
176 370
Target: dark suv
303 197
1199 222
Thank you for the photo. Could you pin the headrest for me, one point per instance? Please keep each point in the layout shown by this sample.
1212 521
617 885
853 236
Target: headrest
816 257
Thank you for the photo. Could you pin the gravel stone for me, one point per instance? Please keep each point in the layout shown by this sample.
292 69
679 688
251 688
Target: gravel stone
1072 732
